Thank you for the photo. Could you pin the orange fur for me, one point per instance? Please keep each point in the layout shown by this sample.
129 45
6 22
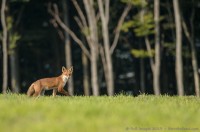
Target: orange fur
56 83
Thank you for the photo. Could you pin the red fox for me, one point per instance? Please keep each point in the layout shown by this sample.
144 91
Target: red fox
56 83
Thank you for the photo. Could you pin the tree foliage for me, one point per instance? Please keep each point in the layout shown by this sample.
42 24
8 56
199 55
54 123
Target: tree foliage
141 28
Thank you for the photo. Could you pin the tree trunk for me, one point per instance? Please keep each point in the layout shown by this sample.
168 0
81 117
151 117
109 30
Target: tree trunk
14 67
94 73
156 73
155 64
90 12
195 69
85 75
104 15
142 68
142 75
193 51
194 57
68 57
170 19
4 45
179 63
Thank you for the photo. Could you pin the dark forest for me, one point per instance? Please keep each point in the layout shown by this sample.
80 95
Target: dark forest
128 47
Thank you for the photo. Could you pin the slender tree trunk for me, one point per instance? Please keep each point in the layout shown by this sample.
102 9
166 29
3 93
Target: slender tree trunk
194 57
195 69
104 15
94 75
13 37
142 75
14 67
142 68
193 51
68 60
179 63
68 54
152 62
90 12
171 19
85 75
4 45
156 74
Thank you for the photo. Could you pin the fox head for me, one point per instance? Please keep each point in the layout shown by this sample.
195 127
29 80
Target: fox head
67 71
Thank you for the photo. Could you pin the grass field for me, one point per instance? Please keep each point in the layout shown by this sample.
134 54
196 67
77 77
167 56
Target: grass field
18 113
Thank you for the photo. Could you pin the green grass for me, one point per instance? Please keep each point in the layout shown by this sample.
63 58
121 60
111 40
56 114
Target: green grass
18 113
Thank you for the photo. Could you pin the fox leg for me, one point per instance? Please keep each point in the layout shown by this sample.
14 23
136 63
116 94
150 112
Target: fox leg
36 94
38 91
54 92
61 90
42 92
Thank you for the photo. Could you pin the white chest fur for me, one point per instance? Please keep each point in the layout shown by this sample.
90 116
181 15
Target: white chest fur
64 78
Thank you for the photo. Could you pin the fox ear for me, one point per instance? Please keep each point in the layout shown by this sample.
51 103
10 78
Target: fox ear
71 68
63 69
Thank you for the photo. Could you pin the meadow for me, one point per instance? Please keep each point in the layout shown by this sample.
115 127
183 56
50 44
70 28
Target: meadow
18 113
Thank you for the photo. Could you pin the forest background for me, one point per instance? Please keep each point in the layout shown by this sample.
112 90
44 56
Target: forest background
121 46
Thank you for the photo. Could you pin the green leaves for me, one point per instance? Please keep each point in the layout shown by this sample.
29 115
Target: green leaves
142 25
126 25
142 53
139 3
13 38
9 21
85 31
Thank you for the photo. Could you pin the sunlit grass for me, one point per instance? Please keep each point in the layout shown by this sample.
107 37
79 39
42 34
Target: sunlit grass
89 114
